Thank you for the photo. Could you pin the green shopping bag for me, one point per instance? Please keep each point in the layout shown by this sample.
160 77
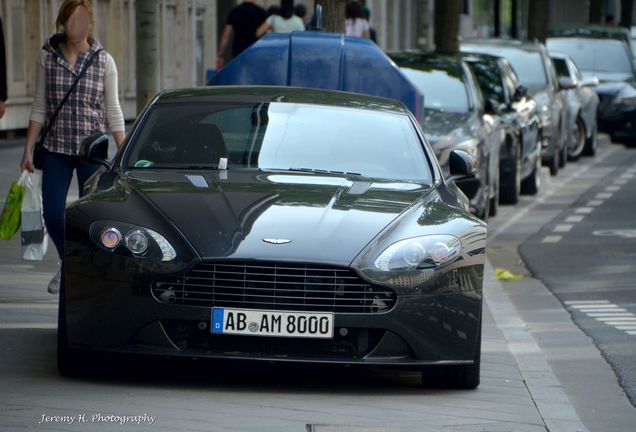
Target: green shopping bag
10 221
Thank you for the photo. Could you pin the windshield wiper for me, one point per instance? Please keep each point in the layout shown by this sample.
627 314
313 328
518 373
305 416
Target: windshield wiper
322 171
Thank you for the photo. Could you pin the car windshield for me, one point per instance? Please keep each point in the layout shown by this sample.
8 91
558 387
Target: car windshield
528 64
280 136
592 56
489 78
442 90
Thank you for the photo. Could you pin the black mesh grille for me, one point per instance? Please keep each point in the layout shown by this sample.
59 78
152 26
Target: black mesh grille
278 286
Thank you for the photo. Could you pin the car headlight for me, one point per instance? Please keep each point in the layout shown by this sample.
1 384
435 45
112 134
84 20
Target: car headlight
629 100
546 116
408 264
140 241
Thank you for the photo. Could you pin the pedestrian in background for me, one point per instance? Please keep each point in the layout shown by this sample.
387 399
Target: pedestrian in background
92 107
3 73
355 22
286 22
301 12
242 22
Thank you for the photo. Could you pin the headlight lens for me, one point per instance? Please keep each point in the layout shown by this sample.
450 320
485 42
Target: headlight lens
140 241
630 100
137 242
546 117
419 253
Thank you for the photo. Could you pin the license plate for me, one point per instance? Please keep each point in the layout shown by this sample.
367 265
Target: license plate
272 323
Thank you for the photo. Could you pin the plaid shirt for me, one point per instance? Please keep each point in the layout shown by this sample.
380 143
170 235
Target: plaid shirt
83 113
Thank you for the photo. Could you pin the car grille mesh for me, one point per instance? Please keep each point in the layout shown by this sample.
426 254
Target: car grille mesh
278 286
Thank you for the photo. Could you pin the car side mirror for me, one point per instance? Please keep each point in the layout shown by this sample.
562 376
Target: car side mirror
590 82
94 149
566 83
461 164
520 93
491 106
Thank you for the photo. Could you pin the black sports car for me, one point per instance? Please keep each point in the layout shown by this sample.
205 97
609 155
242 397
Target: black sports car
277 224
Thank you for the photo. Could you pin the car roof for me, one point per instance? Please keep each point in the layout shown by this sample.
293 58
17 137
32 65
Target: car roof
428 60
592 31
257 94
588 40
477 43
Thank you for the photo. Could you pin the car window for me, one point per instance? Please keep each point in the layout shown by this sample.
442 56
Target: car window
575 70
488 76
280 136
561 68
608 56
510 81
474 90
441 89
528 64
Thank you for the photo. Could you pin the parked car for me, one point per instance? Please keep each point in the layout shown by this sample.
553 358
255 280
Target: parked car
455 118
581 105
520 156
610 61
534 68
277 224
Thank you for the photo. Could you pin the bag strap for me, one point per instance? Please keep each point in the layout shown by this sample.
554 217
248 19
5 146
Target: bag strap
66 96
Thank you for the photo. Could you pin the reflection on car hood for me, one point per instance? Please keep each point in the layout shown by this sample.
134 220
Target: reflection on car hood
439 124
233 214
604 77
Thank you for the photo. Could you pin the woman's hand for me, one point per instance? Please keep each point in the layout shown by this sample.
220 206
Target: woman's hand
27 162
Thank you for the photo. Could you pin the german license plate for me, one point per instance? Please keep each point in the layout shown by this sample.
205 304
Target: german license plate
272 323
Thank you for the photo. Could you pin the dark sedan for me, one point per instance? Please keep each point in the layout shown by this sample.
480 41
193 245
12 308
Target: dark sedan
534 68
276 224
581 106
610 61
455 118
520 156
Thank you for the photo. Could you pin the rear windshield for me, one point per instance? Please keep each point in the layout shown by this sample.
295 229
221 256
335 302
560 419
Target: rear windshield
527 64
608 56
280 136
442 90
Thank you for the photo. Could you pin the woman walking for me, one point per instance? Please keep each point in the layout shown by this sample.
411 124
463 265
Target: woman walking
93 106
355 23
283 22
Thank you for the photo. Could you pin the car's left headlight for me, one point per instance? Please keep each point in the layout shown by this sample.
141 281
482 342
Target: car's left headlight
409 263
139 241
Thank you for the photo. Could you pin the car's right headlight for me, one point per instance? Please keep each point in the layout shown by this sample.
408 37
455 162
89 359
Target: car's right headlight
546 116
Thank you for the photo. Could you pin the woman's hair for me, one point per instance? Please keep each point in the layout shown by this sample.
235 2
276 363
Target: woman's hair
287 8
354 10
67 9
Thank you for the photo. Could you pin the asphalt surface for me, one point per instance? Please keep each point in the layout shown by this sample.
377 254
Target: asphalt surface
587 257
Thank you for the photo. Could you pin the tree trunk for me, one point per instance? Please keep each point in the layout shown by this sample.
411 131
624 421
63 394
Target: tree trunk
147 21
627 7
596 11
514 28
447 26
497 18
538 20
333 15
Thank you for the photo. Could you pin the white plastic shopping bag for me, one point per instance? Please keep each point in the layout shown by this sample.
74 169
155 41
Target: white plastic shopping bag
34 237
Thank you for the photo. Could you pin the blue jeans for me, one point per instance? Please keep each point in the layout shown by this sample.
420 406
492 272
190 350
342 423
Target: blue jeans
57 172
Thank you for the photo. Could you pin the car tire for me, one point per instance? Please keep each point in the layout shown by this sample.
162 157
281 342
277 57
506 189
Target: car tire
575 152
464 377
510 184
563 156
591 143
532 184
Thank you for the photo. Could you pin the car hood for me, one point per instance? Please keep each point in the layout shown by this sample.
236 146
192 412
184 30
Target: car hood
444 130
279 216
608 77
541 95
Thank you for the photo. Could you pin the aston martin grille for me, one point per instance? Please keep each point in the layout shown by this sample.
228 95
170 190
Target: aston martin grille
278 286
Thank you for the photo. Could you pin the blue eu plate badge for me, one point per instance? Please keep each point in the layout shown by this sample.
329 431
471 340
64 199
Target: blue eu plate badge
217 320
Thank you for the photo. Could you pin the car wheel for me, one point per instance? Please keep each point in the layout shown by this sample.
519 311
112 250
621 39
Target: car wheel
579 141
465 377
563 156
591 143
532 183
510 184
